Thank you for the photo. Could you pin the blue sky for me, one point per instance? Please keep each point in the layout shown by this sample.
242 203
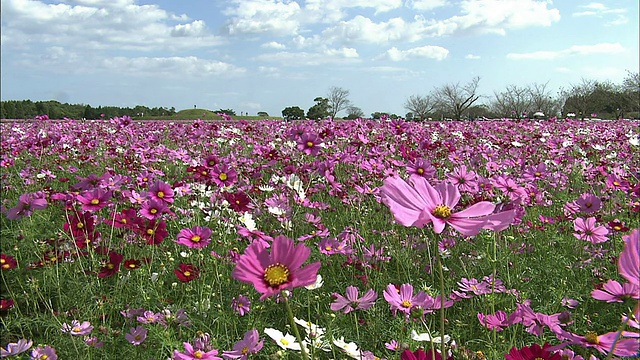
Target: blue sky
265 55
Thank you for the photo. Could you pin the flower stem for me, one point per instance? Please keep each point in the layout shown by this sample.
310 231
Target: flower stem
442 296
295 328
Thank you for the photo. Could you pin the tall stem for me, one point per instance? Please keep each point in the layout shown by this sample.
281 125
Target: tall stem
442 296
295 328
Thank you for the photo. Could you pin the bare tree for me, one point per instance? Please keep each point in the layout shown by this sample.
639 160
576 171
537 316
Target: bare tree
420 106
455 99
338 100
514 102
578 97
541 99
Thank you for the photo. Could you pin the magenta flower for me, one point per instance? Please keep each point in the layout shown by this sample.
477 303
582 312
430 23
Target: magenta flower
94 200
401 299
26 204
351 302
613 291
630 258
192 354
161 191
241 305
223 175
152 209
534 351
587 230
422 203
463 179
44 352
309 144
588 203
250 344
421 168
137 335
197 237
497 321
76 328
280 269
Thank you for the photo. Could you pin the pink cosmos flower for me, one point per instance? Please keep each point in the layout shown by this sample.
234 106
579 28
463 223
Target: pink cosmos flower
137 335
26 204
309 144
223 175
197 237
351 302
603 343
241 305
161 191
613 291
76 328
16 348
421 168
422 203
587 230
630 258
401 299
280 269
153 209
94 200
44 352
497 321
588 203
463 179
192 354
250 344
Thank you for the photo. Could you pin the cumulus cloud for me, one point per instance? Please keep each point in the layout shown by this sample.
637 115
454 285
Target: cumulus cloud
597 9
576 50
273 45
264 16
426 5
423 52
363 29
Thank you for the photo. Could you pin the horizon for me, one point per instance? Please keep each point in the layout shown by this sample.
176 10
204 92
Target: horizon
266 55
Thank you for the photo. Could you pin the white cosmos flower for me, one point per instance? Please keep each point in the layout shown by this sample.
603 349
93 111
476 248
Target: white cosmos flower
317 284
247 221
426 337
634 140
287 342
351 349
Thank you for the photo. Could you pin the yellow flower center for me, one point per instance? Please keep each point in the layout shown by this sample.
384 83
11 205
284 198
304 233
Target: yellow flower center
537 174
95 201
406 304
420 171
160 194
76 329
442 212
276 274
2 261
616 183
153 211
223 176
245 350
80 225
592 338
133 266
150 231
195 238
198 354
284 342
110 266
5 266
187 273
309 144
328 247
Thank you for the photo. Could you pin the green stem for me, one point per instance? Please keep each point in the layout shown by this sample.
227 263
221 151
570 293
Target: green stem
442 296
295 327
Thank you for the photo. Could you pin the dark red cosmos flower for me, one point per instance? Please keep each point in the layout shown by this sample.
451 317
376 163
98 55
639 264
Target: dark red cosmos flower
532 352
238 201
421 355
153 232
132 264
187 272
112 266
7 262
6 304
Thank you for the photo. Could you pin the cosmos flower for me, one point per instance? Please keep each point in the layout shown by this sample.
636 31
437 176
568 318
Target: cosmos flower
197 237
630 258
250 344
137 335
16 348
287 342
534 351
76 328
613 291
112 266
190 353
44 353
352 302
280 269
309 144
187 272
7 262
94 200
588 231
26 204
161 191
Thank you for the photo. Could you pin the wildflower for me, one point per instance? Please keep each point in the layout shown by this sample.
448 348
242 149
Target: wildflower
26 204
534 351
192 354
421 168
5 304
149 317
238 201
309 144
93 341
317 284
587 230
286 342
197 237
474 286
153 232
16 348
7 262
392 345
351 349
94 200
112 266
161 191
421 355
427 337
137 335
617 225
603 343
463 179
153 209
630 258
613 291
223 175
44 353
588 203
76 328
332 246
278 270
250 344
187 272
570 303
497 321
401 299
241 305
351 302
132 264
422 203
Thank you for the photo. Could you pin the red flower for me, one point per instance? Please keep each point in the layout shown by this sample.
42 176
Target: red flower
112 266
7 262
132 264
153 233
421 355
187 272
238 201
532 352
6 304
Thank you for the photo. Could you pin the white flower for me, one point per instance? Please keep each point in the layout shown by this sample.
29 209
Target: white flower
426 337
634 140
351 349
310 327
317 284
247 221
284 341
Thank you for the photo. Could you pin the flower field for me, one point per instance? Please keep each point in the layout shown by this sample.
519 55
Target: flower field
320 240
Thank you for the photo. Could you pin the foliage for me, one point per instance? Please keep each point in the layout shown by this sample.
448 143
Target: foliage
293 113
321 109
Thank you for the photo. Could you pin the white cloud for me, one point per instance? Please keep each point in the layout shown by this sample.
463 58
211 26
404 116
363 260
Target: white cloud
342 52
426 5
424 52
363 29
581 50
597 9
264 16
98 24
273 45
619 20
299 59
472 57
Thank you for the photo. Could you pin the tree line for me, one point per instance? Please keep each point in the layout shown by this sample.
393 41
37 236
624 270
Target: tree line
27 109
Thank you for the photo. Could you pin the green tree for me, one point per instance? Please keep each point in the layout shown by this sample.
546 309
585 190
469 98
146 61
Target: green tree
292 113
320 110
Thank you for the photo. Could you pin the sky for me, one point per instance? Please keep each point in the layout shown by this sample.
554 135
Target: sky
266 55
